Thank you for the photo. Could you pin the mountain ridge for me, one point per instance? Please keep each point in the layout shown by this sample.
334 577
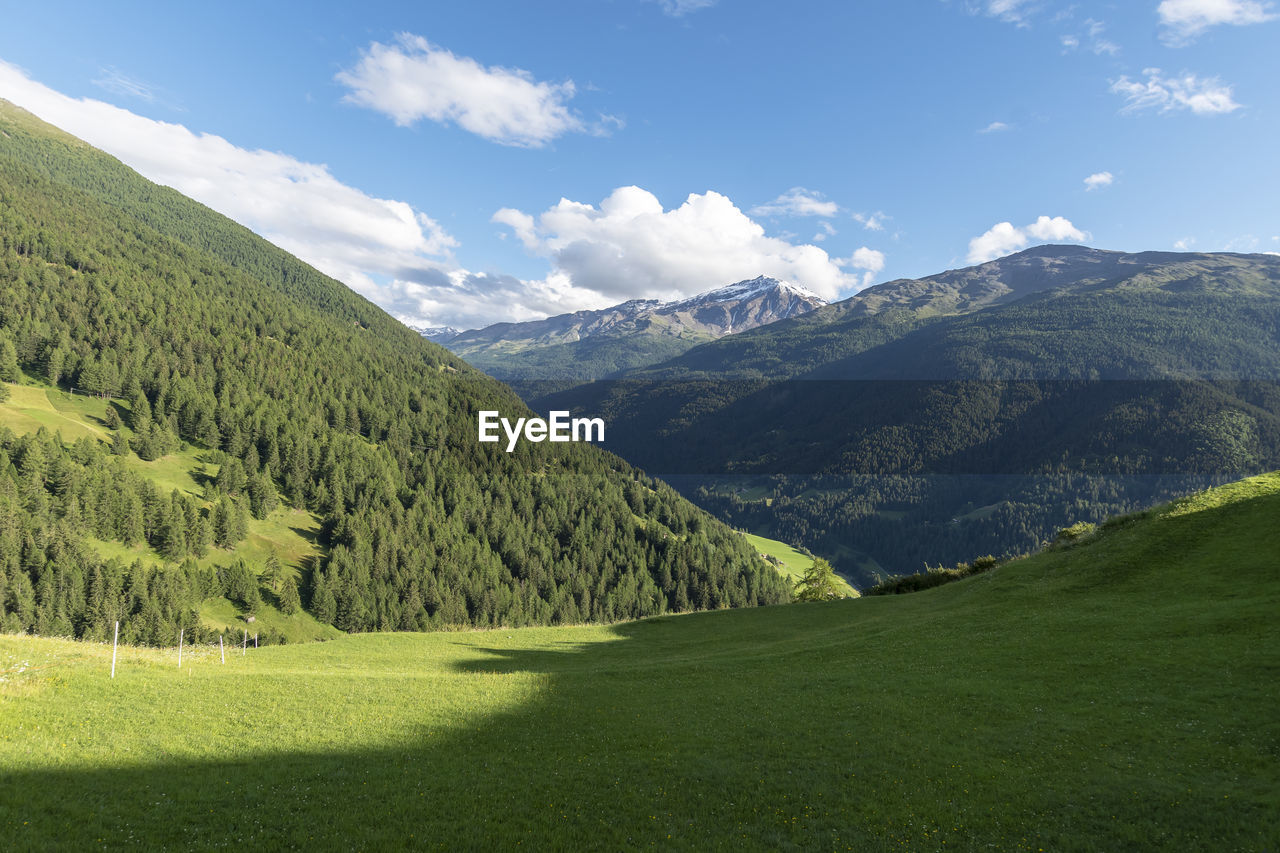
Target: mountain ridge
593 343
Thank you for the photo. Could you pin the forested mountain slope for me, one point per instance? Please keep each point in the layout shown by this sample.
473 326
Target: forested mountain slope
208 338
970 412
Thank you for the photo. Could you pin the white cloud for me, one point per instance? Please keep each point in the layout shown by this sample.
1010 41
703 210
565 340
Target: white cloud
1012 11
1004 238
994 127
1184 20
1100 45
630 247
1057 230
871 221
680 8
868 260
1185 244
1098 180
413 79
521 224
114 80
825 230
797 201
1097 44
999 240
1201 95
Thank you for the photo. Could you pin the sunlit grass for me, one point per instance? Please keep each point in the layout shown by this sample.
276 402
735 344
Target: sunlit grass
792 563
29 408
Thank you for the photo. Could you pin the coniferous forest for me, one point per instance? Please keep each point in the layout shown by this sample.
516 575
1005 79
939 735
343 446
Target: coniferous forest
202 335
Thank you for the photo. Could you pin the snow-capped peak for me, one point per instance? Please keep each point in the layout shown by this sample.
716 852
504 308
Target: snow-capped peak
746 289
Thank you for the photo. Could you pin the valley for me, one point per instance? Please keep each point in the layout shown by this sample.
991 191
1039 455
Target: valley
972 412
655 424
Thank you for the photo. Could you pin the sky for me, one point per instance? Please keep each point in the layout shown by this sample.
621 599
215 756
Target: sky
469 163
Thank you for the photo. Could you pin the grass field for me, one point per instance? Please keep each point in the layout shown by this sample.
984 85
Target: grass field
30 407
793 562
1119 694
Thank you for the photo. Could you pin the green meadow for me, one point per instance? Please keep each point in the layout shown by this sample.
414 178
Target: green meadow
1117 694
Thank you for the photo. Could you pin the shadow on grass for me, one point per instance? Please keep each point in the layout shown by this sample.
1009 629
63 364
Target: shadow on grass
530 774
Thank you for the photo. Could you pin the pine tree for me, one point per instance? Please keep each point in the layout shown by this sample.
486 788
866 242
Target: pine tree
262 494
54 363
818 583
9 371
290 602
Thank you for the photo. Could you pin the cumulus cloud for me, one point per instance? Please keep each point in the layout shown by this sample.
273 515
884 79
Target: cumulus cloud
1200 95
797 201
1056 230
869 261
412 80
1003 238
470 300
630 247
1184 20
994 127
1098 180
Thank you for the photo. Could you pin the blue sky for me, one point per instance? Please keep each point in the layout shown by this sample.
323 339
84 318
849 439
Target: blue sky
466 163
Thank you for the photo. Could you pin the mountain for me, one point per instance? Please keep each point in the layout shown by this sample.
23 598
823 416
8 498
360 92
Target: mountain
219 397
588 345
439 334
969 412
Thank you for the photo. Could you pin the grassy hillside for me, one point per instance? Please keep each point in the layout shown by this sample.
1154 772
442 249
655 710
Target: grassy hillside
1116 695
790 561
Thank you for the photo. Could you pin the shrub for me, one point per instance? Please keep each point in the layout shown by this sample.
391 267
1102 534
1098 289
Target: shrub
1075 533
932 577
